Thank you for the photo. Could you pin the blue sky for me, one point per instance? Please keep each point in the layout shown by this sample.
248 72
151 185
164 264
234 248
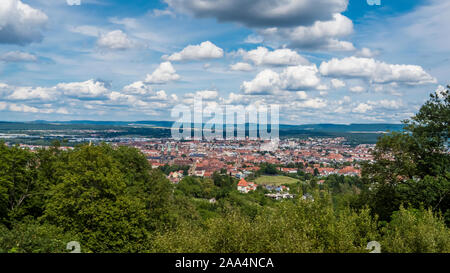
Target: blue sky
328 61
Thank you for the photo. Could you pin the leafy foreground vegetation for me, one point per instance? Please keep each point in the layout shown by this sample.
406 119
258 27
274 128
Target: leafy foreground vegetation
110 200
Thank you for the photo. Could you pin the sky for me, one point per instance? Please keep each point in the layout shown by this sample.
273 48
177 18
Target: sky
321 61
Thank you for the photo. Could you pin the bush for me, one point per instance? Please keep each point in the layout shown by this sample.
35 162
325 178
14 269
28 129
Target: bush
31 236
416 231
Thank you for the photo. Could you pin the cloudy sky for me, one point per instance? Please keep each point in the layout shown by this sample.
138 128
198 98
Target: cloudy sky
322 61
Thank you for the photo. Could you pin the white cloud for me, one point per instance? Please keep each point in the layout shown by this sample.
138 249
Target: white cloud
315 103
376 71
29 93
293 78
205 50
387 104
300 77
87 30
90 89
236 99
90 95
357 89
254 39
366 53
241 67
18 56
266 82
362 108
163 74
301 95
127 22
73 2
162 12
20 23
262 56
116 40
138 88
322 35
336 83
3 105
204 94
262 13
23 108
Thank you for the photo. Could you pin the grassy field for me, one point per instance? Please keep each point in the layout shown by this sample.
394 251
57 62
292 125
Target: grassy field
275 180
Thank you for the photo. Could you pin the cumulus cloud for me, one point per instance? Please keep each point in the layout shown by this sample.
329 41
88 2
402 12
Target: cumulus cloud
301 95
23 108
293 78
300 77
87 30
162 12
18 56
89 95
73 2
357 89
204 94
163 74
279 57
241 67
20 23
91 89
138 88
29 93
115 40
322 35
266 82
362 108
366 53
315 103
387 104
336 83
205 50
262 13
254 39
376 71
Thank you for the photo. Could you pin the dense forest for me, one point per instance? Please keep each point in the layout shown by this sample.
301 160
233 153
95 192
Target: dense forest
109 199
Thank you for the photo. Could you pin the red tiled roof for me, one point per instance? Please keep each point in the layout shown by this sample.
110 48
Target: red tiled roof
242 183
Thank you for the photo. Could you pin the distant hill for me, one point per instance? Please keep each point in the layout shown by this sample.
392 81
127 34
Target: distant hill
375 127
355 133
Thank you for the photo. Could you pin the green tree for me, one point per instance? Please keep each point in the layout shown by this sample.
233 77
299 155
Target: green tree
30 236
412 166
90 200
18 182
415 231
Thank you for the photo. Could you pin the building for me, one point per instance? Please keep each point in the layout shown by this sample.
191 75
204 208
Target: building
175 177
245 187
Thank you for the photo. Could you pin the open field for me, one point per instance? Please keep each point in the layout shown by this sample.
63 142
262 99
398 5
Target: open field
275 180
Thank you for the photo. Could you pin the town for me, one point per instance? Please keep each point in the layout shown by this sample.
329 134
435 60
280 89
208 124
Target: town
242 158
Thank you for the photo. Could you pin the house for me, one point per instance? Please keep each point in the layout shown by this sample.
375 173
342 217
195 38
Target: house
289 170
156 165
175 177
279 196
199 173
244 186
350 171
